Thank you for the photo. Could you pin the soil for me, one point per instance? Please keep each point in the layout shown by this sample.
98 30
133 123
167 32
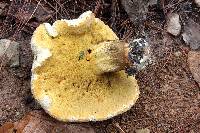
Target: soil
170 97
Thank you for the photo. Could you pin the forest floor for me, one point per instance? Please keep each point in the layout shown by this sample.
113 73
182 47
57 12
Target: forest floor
170 91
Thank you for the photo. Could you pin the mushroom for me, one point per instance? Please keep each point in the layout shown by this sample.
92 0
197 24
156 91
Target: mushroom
70 77
113 56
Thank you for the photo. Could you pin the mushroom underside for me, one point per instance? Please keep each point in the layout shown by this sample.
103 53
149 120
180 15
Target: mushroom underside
65 83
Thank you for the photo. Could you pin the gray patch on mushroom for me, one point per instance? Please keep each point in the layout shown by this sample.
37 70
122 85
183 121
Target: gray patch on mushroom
73 119
85 19
92 118
46 102
50 30
40 55
138 55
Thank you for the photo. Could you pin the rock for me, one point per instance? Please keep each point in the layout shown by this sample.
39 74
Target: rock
2 6
152 2
136 9
10 50
144 130
194 64
197 2
191 34
173 24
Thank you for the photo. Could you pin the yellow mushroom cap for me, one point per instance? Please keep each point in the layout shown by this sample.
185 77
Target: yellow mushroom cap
63 79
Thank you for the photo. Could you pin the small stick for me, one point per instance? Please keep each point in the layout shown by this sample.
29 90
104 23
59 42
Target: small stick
118 126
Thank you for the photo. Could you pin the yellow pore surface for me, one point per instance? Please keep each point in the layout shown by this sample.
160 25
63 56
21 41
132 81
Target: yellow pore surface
67 82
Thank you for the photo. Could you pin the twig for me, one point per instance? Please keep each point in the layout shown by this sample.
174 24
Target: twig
97 7
120 129
114 14
28 19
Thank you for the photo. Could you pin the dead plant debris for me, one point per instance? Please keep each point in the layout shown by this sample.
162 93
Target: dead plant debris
38 121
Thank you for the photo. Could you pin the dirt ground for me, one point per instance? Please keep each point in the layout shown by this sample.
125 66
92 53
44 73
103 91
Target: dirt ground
170 97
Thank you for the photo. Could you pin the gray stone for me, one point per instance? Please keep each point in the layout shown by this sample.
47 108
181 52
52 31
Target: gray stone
136 9
197 2
191 34
1 11
10 50
173 24
152 2
2 6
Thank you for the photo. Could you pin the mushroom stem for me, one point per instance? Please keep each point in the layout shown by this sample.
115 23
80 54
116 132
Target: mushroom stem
113 56
109 56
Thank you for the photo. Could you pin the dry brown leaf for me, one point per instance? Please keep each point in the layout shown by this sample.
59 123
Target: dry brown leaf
40 122
194 64
7 128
